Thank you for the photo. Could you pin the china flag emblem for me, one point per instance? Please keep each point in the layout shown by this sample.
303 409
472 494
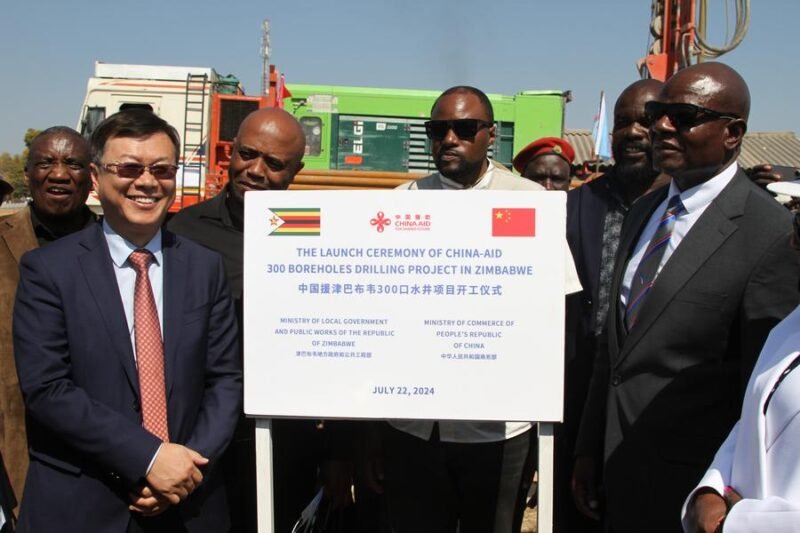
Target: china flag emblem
513 222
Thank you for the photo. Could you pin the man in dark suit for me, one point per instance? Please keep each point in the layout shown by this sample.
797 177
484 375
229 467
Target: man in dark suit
126 346
267 153
595 212
702 274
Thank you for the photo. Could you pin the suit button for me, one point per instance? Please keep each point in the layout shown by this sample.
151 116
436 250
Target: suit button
616 380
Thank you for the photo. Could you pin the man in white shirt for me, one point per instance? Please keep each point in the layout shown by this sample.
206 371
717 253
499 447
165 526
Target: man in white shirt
702 274
448 476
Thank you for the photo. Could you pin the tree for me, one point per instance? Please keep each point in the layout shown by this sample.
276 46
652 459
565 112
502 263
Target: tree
30 135
12 166
12 169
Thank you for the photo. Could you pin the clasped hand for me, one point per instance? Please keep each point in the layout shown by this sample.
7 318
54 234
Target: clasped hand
175 474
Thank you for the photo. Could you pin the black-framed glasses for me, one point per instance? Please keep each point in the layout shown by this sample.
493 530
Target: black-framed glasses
681 115
464 128
134 170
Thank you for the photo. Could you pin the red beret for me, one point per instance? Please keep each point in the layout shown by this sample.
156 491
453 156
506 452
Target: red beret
543 146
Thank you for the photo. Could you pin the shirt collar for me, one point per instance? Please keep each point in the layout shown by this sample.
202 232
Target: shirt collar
43 231
217 207
483 182
120 249
615 194
699 196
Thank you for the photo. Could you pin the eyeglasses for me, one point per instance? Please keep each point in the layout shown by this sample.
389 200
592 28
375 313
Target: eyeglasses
464 128
682 116
134 170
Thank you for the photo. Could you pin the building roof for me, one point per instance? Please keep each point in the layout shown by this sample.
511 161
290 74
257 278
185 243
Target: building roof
582 142
777 148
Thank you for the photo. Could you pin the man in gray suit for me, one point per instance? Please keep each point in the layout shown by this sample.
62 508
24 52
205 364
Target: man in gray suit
703 272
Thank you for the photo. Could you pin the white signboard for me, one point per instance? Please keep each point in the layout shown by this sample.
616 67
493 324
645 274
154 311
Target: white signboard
404 304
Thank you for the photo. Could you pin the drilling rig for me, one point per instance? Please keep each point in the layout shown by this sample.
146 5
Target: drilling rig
678 36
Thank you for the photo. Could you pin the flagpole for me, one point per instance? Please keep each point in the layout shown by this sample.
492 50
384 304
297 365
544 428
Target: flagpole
599 121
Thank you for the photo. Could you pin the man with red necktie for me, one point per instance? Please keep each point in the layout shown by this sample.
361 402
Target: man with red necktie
126 346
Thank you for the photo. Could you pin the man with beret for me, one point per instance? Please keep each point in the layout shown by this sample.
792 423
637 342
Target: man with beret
548 162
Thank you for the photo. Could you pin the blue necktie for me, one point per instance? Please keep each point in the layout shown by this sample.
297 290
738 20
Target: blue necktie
648 267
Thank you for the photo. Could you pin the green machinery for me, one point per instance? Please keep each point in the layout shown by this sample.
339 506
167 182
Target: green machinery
354 128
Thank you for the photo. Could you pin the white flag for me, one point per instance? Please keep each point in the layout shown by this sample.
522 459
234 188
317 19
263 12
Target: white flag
602 148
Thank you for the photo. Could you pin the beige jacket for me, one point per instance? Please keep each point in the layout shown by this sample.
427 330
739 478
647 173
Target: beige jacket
16 238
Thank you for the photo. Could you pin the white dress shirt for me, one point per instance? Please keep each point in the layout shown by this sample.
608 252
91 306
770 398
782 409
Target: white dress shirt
695 201
494 178
483 183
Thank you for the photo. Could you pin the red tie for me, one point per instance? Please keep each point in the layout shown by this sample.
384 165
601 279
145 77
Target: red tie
149 349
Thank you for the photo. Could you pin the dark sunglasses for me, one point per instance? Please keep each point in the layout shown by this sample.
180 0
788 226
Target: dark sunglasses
134 170
682 116
464 128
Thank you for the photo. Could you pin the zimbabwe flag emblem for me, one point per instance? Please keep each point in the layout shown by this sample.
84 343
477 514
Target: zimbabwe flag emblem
293 221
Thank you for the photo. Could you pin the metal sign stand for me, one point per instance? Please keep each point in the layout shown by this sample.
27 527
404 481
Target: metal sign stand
264 489
544 509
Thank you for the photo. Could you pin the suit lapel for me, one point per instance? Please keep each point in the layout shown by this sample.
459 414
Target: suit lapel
592 226
98 270
702 241
174 287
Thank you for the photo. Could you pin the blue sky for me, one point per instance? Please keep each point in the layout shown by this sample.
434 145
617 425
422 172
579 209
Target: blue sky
48 48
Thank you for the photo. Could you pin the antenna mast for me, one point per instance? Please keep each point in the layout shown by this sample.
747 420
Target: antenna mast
265 51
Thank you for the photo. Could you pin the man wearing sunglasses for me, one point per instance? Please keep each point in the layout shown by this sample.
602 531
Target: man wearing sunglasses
57 177
468 476
461 130
126 346
703 272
